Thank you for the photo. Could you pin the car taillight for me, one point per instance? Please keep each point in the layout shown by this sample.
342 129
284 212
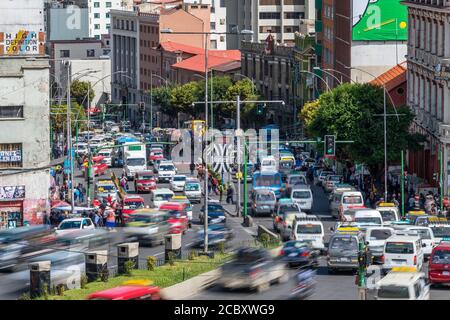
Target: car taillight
382 258
415 260
282 253
254 273
304 254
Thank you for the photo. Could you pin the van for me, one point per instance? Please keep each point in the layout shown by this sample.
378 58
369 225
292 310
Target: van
350 198
269 164
309 229
403 251
427 237
335 198
343 249
375 238
293 180
263 202
389 212
303 197
193 190
287 222
403 284
368 217
160 196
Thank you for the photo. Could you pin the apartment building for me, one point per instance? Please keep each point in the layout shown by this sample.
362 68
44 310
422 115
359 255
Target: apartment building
428 84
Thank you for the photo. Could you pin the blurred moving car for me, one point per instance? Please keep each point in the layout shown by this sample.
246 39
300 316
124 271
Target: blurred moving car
185 200
147 226
69 225
299 253
305 284
127 292
216 213
252 268
217 234
178 220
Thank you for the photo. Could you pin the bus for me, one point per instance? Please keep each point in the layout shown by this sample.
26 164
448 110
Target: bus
268 180
195 126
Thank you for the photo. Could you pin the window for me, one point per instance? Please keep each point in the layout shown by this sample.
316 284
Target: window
107 15
213 26
222 38
96 4
108 26
96 26
269 15
90 53
10 154
11 112
64 53
108 4
96 15
294 15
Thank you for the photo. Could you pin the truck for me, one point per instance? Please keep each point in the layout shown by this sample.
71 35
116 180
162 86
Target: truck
134 158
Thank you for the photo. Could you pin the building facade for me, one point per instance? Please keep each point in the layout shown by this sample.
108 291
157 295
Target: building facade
24 140
428 85
270 68
100 16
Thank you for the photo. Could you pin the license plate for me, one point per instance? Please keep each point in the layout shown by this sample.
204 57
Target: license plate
445 273
345 259
292 254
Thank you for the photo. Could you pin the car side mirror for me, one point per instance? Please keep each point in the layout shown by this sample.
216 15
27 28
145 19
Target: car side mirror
424 245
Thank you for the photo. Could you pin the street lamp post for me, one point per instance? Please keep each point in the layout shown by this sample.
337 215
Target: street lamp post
330 74
206 34
151 97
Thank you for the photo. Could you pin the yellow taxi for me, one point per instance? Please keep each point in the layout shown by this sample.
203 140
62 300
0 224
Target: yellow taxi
403 283
389 212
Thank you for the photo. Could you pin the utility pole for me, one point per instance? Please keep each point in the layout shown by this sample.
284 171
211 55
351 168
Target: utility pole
402 181
205 240
238 130
88 169
362 261
69 133
151 103
385 146
441 178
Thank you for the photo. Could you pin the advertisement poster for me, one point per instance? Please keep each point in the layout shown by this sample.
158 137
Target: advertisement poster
379 20
12 192
22 42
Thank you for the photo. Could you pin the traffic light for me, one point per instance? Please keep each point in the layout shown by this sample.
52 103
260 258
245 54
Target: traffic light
330 146
260 109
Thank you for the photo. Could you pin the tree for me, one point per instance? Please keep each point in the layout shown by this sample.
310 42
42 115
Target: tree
58 117
79 90
352 112
183 96
161 97
308 112
243 88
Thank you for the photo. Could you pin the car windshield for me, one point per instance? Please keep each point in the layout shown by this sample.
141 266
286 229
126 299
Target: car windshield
215 207
192 187
380 234
352 199
288 207
296 244
309 228
368 220
388 215
265 197
344 243
267 181
286 164
301 194
393 292
146 177
179 178
147 218
441 257
423 233
400 247
441 232
267 163
133 205
135 162
70 225
297 180
246 257
163 197
334 178
166 167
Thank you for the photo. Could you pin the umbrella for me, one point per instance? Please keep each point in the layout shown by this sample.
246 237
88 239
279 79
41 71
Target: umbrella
59 203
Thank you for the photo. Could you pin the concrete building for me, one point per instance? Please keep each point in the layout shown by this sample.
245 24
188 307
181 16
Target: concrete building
24 140
99 16
65 21
281 18
22 27
428 85
349 37
270 67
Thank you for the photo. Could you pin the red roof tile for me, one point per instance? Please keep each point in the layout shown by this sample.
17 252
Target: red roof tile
197 63
171 46
393 77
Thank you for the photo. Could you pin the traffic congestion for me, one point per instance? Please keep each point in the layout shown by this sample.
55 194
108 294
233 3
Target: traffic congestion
331 236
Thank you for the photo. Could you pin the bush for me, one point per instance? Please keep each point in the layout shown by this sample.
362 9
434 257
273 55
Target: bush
128 267
151 263
25 296
60 288
171 257
265 239
221 247
192 255
104 275
83 281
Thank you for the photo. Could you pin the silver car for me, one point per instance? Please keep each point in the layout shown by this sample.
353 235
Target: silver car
263 202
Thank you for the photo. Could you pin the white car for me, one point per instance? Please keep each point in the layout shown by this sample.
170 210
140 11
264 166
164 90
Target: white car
166 170
160 196
69 225
177 183
193 190
107 153
309 228
375 238
427 237
403 251
303 197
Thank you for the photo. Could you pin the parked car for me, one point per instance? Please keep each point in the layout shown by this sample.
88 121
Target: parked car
439 264
68 225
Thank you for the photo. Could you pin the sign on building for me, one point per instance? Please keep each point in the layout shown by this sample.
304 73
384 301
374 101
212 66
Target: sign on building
12 192
22 42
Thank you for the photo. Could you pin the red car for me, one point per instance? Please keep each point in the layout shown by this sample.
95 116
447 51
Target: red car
178 221
144 181
100 169
155 155
130 204
439 265
127 293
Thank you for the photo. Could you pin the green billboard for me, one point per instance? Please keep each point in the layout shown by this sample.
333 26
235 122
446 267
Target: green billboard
379 20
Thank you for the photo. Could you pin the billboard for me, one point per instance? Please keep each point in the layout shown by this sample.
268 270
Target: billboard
379 20
22 42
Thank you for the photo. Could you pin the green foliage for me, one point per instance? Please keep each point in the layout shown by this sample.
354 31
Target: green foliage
104 275
83 281
128 267
79 90
24 296
183 96
308 112
58 117
264 238
221 247
151 263
192 255
60 289
351 112
161 97
171 257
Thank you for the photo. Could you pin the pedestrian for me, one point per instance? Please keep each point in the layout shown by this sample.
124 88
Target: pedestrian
109 199
192 168
119 216
214 185
221 190
230 193
110 219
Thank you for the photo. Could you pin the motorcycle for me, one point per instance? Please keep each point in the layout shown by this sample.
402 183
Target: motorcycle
305 285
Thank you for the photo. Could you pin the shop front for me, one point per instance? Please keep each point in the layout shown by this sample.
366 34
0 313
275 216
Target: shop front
11 206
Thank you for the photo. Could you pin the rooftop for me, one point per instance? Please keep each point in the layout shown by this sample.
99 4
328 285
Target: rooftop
393 77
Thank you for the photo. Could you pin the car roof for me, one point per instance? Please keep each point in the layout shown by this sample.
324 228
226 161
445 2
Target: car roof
148 172
442 246
402 238
162 190
180 175
133 196
74 219
402 278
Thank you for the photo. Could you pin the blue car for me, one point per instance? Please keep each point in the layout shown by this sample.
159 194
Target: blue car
299 253
216 213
